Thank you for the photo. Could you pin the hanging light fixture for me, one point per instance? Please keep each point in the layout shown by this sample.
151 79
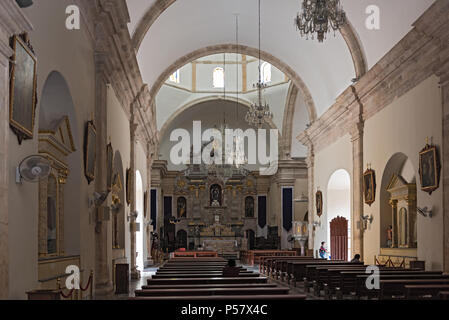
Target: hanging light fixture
259 113
320 17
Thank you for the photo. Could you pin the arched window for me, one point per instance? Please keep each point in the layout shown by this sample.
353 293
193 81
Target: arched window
266 72
175 77
218 77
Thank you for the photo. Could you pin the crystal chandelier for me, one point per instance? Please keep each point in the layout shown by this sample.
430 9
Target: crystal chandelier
320 16
259 113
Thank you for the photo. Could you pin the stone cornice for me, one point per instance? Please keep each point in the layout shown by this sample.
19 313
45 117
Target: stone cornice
12 18
421 53
119 65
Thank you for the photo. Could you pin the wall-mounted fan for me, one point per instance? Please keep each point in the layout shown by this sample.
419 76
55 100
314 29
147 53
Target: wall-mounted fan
33 169
24 3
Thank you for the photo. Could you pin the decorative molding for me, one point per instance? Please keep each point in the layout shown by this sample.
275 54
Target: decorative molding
412 60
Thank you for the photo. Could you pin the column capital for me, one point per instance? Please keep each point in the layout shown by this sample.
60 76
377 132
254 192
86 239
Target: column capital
356 131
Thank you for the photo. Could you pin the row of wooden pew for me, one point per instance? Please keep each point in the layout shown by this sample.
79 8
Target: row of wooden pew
202 279
336 279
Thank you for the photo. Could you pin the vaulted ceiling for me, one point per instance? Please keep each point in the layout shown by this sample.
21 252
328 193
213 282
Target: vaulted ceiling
174 29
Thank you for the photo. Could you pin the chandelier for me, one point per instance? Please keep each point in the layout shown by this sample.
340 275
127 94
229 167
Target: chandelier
320 16
259 113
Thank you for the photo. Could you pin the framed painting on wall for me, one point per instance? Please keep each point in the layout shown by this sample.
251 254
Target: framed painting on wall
90 145
145 204
23 97
319 203
110 165
369 186
429 168
128 186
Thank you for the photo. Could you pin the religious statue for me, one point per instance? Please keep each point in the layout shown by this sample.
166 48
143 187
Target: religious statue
215 196
249 207
182 211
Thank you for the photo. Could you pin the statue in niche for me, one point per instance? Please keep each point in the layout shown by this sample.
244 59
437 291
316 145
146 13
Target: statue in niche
182 207
249 207
215 196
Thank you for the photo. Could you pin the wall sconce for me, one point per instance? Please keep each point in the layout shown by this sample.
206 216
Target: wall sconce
316 224
367 219
133 215
97 199
425 212
302 199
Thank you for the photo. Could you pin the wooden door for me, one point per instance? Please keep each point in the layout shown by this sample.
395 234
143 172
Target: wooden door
339 239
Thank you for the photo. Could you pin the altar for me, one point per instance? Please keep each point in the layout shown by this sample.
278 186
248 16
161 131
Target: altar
220 246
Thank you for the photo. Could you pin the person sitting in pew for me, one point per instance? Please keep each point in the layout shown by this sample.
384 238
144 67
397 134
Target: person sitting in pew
323 250
356 258
231 270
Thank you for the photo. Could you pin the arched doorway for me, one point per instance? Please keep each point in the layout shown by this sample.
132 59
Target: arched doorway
139 208
339 205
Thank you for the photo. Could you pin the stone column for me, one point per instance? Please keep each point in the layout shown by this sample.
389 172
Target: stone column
148 219
310 161
12 21
132 166
357 183
445 172
103 283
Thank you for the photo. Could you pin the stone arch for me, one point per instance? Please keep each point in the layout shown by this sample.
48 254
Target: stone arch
241 49
195 102
348 32
287 124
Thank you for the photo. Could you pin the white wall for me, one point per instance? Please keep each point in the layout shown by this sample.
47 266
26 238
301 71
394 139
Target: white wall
335 157
71 54
403 127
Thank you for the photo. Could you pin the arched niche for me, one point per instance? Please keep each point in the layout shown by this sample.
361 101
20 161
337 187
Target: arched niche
399 172
339 203
58 121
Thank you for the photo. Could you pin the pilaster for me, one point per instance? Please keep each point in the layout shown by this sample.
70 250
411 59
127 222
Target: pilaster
12 21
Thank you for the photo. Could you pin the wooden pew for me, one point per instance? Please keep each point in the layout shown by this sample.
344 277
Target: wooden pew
200 275
424 291
206 280
217 285
443 295
349 282
280 297
300 268
389 288
211 291
393 284
251 257
263 261
317 276
274 265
